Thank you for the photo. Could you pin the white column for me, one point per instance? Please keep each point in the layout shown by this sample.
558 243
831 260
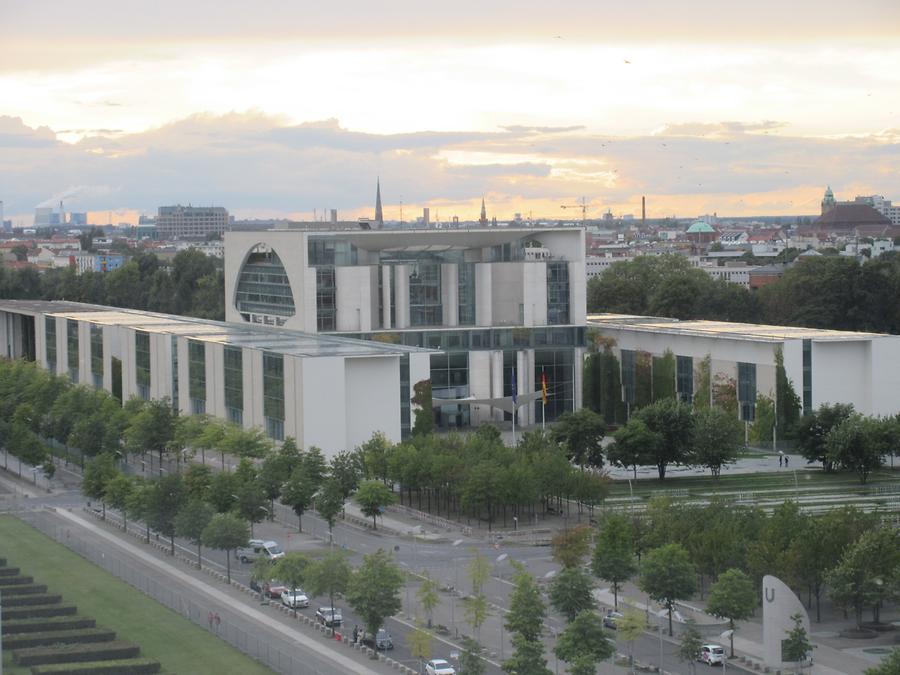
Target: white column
401 295
184 377
578 360
253 389
450 294
215 379
386 296
524 385
62 351
84 353
497 381
484 312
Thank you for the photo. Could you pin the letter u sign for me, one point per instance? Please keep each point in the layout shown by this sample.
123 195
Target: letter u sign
770 594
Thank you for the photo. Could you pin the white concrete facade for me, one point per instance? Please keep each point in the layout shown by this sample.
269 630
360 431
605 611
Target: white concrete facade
336 392
823 366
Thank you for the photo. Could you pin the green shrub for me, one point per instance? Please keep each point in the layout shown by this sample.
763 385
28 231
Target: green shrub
58 637
28 589
44 624
37 599
9 571
34 611
121 667
74 653
16 580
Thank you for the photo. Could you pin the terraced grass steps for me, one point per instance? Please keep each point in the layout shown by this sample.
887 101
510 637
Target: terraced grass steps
28 589
119 667
8 571
58 637
16 580
46 624
36 599
35 611
76 653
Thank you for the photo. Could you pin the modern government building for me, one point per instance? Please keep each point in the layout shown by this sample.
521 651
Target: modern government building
329 330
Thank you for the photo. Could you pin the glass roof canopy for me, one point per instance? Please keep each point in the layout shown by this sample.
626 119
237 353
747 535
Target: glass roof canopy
282 341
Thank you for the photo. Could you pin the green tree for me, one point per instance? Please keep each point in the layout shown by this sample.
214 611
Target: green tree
152 429
716 439
374 589
329 503
298 493
732 597
867 573
470 661
251 501
261 573
787 403
329 575
584 639
890 665
581 433
633 444
137 504
347 468
690 645
571 592
190 522
427 595
855 445
197 479
476 610
226 532
372 496
674 422
526 607
814 428
668 575
419 644
117 494
244 443
664 376
571 546
797 646
424 412
613 559
164 501
97 475
374 453
479 570
292 569
527 658
630 627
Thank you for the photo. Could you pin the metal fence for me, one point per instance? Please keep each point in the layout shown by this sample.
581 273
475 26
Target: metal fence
217 618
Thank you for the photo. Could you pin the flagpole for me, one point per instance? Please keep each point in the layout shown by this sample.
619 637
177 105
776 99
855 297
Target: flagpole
543 400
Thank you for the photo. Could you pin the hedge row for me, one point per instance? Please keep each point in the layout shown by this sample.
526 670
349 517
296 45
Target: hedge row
29 589
34 611
41 625
58 637
16 580
120 667
2 562
38 656
9 571
25 600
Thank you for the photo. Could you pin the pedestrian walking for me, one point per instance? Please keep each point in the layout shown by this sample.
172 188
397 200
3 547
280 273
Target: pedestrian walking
786 460
780 460
218 620
210 619
355 633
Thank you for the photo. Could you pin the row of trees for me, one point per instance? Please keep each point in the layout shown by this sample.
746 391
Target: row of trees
192 284
833 292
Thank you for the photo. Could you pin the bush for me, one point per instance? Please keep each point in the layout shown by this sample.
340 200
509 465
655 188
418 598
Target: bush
16 580
41 625
121 667
34 611
37 599
29 589
8 571
58 637
74 653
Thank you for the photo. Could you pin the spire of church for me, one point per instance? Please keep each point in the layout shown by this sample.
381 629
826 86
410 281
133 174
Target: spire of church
379 215
483 220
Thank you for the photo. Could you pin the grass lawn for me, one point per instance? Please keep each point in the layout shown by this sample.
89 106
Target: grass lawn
179 645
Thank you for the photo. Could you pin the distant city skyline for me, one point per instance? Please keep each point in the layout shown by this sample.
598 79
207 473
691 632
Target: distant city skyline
296 107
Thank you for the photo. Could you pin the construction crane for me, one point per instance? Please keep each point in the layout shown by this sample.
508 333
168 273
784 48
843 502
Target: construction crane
583 206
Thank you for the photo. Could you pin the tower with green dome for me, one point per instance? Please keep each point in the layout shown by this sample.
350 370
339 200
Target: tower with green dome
827 201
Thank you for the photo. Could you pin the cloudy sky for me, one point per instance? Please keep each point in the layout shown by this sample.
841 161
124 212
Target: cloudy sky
280 107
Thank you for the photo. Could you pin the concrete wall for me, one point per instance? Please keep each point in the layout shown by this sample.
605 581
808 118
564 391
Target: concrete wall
842 373
507 292
535 293
354 298
371 395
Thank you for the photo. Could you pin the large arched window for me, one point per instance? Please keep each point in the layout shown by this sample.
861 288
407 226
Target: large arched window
263 292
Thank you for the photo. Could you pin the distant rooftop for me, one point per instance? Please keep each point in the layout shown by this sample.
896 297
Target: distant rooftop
268 338
742 331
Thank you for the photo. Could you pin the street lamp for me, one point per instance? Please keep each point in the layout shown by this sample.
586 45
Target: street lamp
726 636
406 565
660 615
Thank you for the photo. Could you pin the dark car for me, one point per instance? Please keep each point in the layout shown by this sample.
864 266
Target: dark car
329 616
612 619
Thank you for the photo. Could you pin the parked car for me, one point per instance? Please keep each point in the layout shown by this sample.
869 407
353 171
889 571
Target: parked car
295 599
611 619
439 667
713 655
256 548
381 640
329 616
271 588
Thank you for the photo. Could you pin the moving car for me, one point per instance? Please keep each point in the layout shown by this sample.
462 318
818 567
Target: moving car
611 619
713 655
439 667
329 616
257 548
381 640
295 599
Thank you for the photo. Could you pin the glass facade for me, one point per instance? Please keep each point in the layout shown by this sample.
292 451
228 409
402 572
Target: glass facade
273 395
425 307
746 391
628 375
97 355
330 251
142 363
174 346
405 394
72 349
234 384
807 377
557 292
466 294
50 340
197 376
450 379
684 378
326 302
558 366
263 290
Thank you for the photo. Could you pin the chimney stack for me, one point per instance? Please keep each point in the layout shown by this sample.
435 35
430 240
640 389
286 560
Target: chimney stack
643 211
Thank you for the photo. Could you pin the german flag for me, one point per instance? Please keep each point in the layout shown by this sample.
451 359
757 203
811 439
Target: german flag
544 387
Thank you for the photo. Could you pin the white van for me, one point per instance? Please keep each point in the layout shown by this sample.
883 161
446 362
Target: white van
256 548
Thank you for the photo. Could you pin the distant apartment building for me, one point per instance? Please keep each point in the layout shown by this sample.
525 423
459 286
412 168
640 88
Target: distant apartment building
107 262
882 205
177 222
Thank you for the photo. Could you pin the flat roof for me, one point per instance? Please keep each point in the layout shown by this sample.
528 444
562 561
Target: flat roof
266 338
724 329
